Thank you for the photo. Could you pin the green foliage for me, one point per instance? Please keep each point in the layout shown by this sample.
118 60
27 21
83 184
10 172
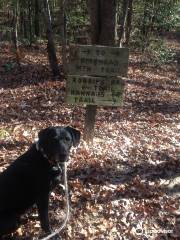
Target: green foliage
151 19
175 18
77 18
160 53
167 15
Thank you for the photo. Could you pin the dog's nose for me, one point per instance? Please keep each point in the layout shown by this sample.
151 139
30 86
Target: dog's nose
62 150
62 155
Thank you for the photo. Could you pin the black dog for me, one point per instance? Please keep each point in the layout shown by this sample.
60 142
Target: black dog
29 179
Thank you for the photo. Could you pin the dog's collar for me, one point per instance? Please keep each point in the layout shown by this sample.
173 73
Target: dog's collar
41 150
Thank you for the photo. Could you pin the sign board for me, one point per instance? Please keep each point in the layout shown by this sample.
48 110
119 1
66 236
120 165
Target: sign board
104 91
98 60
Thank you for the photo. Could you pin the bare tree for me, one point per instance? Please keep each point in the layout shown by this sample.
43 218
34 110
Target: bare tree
63 39
129 23
15 30
36 18
51 45
125 5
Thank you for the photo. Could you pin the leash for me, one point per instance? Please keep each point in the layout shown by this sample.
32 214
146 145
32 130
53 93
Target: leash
57 231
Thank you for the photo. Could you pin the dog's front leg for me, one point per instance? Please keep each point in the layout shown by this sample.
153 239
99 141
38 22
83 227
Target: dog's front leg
8 223
43 205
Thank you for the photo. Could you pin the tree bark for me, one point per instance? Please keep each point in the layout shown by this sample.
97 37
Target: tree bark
30 21
49 32
144 30
63 40
25 30
178 65
36 19
123 21
15 31
95 19
108 22
129 23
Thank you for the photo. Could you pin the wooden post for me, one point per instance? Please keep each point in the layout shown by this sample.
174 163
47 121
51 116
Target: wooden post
89 122
102 17
90 115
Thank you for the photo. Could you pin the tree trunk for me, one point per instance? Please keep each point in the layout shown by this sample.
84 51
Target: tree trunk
178 65
102 17
63 40
21 23
144 30
108 22
129 23
25 30
15 31
123 21
36 19
51 45
30 21
95 18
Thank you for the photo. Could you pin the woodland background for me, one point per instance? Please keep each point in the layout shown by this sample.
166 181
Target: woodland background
126 184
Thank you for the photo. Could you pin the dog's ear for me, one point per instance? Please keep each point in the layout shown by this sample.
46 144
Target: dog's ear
75 135
43 133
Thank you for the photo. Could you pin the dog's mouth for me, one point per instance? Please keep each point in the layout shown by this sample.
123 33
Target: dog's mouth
58 158
61 158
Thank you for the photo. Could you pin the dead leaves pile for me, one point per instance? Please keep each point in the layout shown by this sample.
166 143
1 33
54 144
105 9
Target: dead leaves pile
125 185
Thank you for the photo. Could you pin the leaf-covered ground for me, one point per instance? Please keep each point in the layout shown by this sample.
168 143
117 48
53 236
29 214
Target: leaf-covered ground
124 186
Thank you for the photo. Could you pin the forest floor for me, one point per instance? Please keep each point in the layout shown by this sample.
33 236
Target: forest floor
126 185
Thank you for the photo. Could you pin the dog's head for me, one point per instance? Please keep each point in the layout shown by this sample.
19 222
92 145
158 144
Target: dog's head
56 142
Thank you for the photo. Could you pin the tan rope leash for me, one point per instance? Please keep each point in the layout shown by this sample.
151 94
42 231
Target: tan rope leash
57 231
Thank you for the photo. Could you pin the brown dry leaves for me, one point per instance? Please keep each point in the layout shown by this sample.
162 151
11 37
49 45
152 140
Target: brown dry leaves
119 186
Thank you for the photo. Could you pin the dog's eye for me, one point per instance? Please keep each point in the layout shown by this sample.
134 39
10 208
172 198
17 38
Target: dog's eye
67 139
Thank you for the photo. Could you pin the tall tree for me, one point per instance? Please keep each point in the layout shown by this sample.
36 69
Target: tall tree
129 23
30 21
36 19
125 6
51 45
15 30
63 39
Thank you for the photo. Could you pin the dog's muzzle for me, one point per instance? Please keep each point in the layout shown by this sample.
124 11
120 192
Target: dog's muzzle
61 158
54 160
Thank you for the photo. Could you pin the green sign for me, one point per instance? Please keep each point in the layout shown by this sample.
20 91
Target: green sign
98 60
94 90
